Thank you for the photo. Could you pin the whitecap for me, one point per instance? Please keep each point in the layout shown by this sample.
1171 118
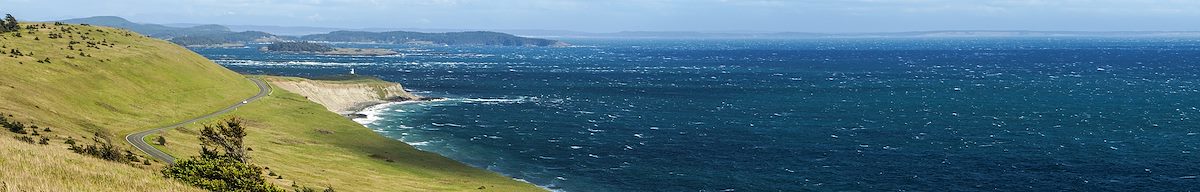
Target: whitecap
446 124
372 113
284 63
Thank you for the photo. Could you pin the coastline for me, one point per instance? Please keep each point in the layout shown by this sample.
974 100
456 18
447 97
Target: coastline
346 96
371 114
373 96
361 100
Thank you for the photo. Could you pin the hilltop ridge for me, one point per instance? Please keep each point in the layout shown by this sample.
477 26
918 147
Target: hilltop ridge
152 30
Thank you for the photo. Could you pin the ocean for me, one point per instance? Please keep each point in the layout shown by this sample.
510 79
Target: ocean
855 114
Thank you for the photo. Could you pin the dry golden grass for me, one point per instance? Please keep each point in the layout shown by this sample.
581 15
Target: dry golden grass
31 167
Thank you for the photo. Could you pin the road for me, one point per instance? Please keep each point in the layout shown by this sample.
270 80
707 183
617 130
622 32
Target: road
138 139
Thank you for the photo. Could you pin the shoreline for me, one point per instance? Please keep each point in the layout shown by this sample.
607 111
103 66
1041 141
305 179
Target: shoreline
348 95
372 112
358 110
362 99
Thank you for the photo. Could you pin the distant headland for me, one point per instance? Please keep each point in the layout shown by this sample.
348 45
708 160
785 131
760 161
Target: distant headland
317 48
221 36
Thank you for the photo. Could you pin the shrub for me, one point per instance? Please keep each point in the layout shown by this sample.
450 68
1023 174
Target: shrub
15 127
161 140
44 141
26 139
219 174
221 165
103 151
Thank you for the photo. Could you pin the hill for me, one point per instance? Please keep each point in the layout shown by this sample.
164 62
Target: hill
92 85
226 38
152 30
99 83
32 167
451 38
303 142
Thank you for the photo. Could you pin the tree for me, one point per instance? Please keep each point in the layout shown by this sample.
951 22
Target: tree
161 140
221 165
10 23
224 136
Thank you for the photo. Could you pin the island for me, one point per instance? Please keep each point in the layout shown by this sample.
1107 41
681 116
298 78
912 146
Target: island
322 49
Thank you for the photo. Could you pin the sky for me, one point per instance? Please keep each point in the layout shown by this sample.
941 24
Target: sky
644 15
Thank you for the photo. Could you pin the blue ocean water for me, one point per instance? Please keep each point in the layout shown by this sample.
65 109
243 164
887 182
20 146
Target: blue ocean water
952 114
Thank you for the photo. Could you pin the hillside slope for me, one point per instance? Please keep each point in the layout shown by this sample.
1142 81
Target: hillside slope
108 81
30 167
153 30
85 83
306 144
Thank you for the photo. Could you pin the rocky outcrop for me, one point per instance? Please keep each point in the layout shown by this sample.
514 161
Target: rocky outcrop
345 97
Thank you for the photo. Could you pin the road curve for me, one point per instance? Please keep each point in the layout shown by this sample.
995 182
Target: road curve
138 139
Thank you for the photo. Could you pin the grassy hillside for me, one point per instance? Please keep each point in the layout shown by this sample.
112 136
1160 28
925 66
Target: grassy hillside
306 144
31 167
108 81
88 82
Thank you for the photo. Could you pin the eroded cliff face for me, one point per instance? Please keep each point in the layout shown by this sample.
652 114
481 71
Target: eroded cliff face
344 97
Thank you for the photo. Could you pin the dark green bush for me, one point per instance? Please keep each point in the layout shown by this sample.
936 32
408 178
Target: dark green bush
26 139
222 164
219 174
161 140
102 150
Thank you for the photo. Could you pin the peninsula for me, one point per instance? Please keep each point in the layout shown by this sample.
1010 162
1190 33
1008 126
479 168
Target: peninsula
221 36
322 49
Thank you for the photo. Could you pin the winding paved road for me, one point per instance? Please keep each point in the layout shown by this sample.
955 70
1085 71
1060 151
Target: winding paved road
138 139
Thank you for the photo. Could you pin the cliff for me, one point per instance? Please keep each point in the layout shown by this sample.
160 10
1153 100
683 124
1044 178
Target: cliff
345 96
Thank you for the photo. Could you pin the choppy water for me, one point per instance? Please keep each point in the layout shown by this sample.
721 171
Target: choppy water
793 115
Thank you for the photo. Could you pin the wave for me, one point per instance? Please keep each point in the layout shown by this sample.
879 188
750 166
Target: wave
446 124
372 113
492 101
236 62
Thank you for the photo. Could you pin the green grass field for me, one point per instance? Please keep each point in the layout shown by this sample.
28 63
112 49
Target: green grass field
122 82
305 143
109 82
134 84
